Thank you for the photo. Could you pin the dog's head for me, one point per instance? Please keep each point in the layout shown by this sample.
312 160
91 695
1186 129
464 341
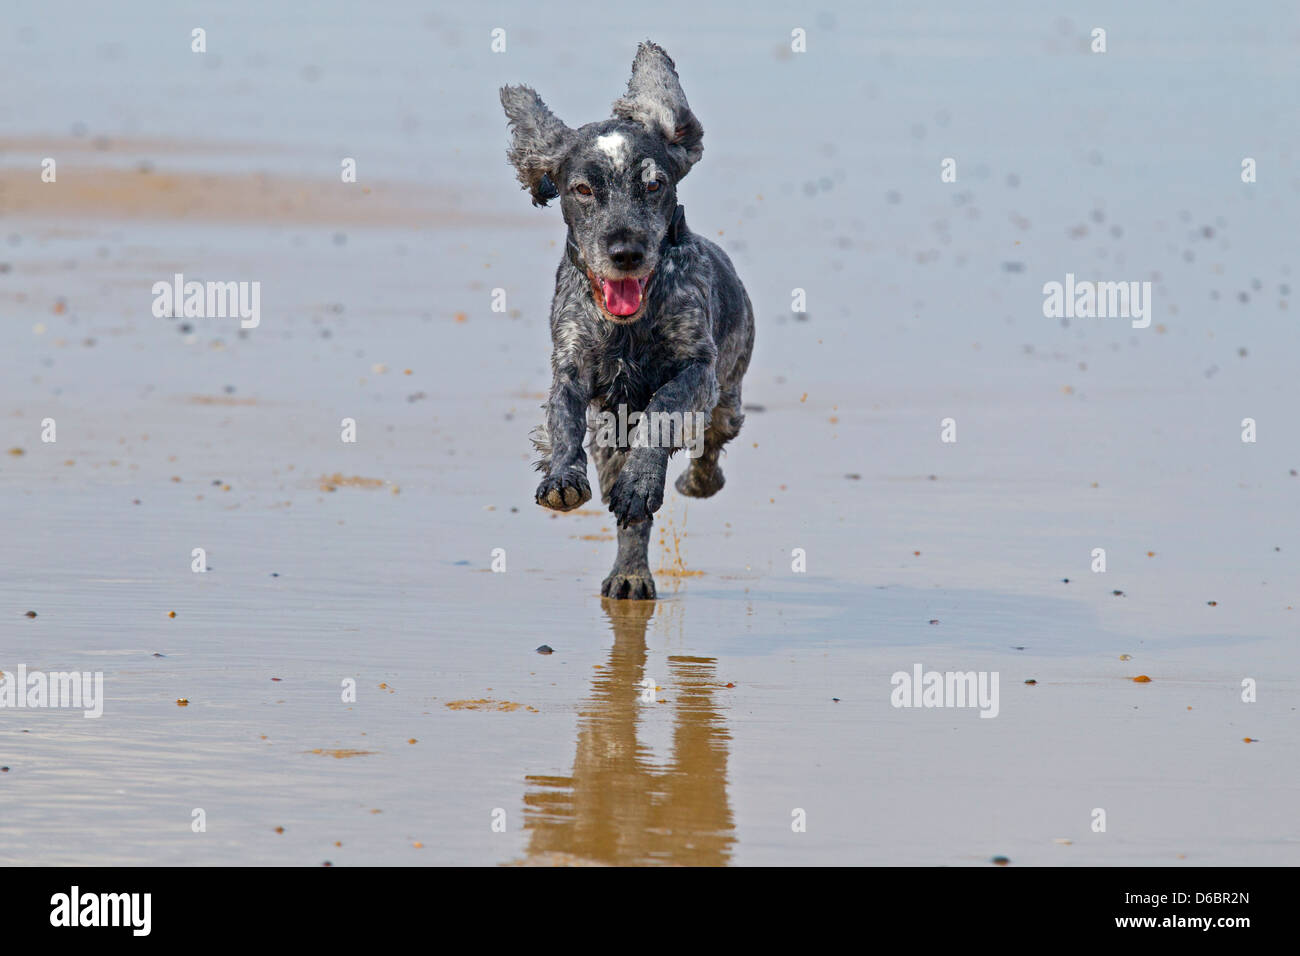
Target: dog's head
617 179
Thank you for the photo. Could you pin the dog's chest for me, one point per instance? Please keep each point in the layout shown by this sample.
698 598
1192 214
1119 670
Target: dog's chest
630 371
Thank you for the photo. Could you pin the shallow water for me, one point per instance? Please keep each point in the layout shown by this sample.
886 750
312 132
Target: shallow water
771 687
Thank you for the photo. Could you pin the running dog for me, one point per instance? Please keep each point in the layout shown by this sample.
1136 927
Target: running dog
648 317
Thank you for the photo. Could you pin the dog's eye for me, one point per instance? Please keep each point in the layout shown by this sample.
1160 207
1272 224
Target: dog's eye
652 186
582 189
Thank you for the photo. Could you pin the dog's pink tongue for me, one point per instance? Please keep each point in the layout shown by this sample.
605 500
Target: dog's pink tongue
622 296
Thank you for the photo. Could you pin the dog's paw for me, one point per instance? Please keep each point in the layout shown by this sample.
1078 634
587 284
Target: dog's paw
695 482
635 585
637 493
564 491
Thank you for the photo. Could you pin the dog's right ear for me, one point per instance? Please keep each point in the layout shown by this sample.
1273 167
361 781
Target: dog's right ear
539 141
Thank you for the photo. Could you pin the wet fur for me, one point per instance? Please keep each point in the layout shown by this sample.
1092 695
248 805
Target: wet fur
689 349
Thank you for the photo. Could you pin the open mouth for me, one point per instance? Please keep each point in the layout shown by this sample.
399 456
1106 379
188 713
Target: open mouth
620 299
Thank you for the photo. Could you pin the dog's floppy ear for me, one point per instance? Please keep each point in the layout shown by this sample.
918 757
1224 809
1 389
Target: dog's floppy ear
655 100
538 141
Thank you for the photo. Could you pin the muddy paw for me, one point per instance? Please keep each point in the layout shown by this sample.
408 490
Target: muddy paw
634 585
696 483
637 494
564 492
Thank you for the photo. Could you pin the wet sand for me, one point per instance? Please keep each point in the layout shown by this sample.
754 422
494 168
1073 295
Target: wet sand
372 561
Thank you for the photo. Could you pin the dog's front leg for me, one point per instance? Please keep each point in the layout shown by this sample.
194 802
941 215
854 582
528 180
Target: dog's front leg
565 486
638 491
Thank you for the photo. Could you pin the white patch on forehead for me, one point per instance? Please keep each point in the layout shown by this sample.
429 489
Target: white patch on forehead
614 145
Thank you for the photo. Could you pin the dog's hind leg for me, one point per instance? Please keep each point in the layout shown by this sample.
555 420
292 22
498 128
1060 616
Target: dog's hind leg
703 478
630 577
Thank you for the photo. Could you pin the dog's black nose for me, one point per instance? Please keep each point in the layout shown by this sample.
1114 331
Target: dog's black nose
627 255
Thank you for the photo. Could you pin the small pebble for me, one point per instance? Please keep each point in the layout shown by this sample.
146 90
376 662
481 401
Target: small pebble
31 614
546 649
1000 861
1142 679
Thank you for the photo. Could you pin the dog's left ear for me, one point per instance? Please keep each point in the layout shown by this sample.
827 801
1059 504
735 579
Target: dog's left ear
655 100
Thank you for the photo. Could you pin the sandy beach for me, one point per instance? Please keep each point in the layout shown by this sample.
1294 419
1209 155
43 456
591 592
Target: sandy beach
360 685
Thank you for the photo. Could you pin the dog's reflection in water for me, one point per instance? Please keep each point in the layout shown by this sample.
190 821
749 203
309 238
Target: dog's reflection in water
621 805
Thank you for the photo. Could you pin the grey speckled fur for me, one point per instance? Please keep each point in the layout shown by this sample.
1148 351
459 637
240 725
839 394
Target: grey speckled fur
687 346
